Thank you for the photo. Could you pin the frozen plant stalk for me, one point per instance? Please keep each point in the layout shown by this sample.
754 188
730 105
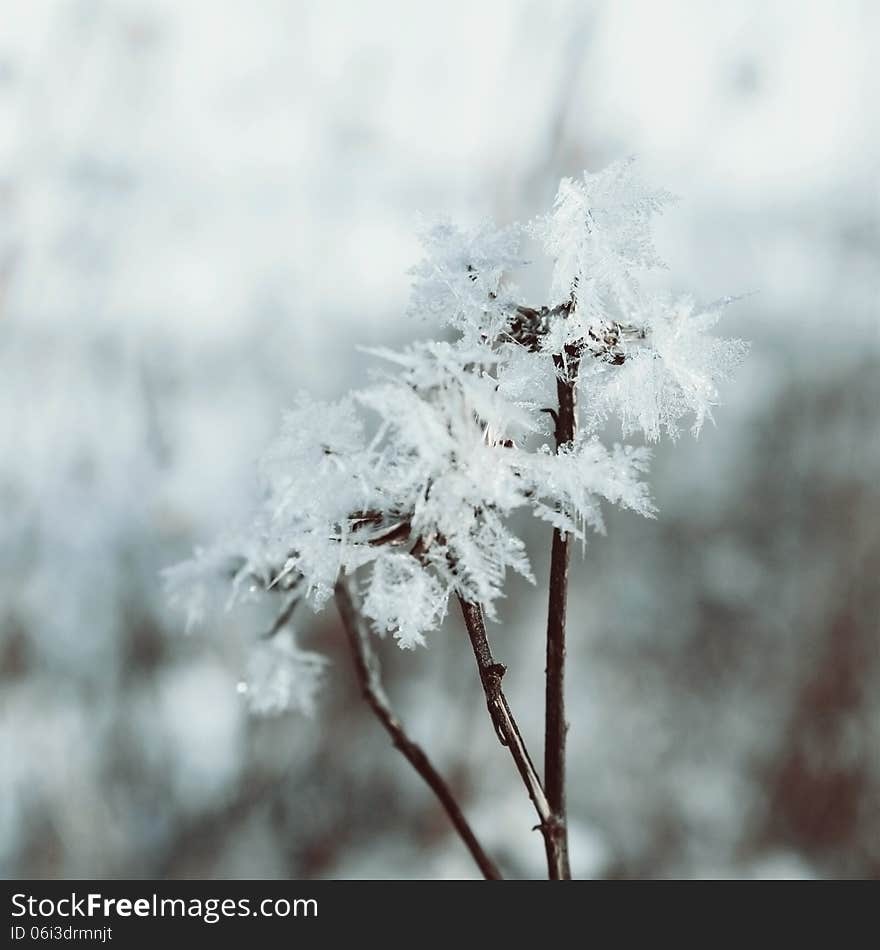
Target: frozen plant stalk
408 485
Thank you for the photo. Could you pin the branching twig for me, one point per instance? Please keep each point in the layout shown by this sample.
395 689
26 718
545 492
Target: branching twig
506 728
366 666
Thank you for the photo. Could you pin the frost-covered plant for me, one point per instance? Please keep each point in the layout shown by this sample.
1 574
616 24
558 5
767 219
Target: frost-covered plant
409 483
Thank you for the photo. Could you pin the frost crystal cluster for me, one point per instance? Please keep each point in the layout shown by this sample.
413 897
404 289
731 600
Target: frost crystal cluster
411 481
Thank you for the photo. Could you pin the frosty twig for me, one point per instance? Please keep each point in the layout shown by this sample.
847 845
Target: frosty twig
412 481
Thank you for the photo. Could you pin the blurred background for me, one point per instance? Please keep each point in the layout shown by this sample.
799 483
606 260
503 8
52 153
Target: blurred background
205 205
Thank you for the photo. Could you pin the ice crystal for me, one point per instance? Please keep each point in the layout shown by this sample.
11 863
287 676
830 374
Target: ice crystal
281 677
410 482
672 370
599 236
461 274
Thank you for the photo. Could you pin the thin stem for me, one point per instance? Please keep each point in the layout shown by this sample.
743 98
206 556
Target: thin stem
555 726
366 665
491 673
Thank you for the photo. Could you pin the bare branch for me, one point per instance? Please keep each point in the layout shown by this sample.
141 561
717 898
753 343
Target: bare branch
366 665
491 673
555 726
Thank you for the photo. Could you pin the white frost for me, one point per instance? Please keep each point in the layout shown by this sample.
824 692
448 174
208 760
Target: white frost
414 477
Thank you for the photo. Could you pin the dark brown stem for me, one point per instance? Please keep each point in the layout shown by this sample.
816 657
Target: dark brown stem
555 726
366 665
506 728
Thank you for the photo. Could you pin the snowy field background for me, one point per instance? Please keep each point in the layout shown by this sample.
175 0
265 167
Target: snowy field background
205 205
